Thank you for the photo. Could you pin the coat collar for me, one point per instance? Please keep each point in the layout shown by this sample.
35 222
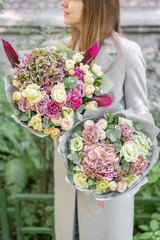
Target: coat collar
106 54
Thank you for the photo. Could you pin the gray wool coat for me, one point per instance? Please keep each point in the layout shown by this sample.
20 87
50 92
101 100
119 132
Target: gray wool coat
115 221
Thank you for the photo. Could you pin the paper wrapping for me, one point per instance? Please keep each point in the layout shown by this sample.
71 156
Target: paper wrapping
149 129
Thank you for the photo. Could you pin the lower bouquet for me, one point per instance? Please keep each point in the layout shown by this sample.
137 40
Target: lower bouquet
109 155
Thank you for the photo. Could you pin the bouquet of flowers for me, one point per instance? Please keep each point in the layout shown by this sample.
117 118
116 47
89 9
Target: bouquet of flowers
109 155
50 91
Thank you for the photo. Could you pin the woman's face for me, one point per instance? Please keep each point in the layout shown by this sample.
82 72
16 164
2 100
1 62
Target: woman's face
73 10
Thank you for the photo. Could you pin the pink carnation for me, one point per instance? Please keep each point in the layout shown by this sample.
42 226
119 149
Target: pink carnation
24 105
126 132
91 133
139 166
41 106
98 160
74 100
79 73
80 88
53 108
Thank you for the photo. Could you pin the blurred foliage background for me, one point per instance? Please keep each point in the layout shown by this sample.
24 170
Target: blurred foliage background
26 161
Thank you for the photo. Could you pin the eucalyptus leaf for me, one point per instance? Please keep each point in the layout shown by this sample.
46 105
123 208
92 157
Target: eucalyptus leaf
77 161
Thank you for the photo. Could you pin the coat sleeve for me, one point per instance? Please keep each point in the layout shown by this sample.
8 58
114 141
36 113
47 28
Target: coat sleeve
135 84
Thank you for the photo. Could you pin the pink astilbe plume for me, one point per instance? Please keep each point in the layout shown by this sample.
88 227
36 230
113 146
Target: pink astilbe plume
11 53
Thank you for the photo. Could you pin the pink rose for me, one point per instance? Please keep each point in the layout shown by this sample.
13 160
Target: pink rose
24 105
41 106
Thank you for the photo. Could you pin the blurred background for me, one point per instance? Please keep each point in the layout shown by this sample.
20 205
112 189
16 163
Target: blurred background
26 162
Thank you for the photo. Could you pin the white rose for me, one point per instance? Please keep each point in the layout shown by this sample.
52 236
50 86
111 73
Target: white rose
89 89
56 120
69 64
102 124
88 123
103 135
97 70
122 120
77 57
67 123
121 186
88 78
129 152
84 68
113 186
58 93
92 105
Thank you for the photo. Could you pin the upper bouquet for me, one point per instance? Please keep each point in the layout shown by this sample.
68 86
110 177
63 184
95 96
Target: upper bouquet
107 156
50 91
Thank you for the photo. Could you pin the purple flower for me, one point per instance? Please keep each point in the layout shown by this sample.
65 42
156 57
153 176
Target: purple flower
79 73
24 105
26 59
80 88
126 132
53 108
74 100
139 166
41 106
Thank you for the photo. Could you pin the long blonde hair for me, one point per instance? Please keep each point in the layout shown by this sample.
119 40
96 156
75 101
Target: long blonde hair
100 19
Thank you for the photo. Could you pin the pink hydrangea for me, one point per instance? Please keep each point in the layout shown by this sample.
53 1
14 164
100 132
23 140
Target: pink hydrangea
53 108
98 160
79 73
80 88
74 100
139 166
126 132
91 133
24 105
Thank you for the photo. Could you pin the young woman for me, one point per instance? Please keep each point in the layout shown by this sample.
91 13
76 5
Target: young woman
122 61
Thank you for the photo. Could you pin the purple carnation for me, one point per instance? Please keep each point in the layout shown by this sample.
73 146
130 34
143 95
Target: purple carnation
24 105
53 108
126 132
79 73
41 106
80 88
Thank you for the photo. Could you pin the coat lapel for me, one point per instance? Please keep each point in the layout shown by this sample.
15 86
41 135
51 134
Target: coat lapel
106 54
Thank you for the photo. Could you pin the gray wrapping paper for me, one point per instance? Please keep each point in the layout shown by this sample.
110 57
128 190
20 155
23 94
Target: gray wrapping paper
149 129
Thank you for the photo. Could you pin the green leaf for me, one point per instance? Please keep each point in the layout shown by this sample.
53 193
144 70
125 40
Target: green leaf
113 139
24 117
144 227
72 156
70 82
17 111
138 126
125 165
154 225
153 178
117 133
118 146
110 117
108 133
97 83
70 178
157 233
80 109
80 116
77 161
146 235
156 216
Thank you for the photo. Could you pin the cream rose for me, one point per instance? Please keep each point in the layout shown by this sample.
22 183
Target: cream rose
67 123
89 89
88 123
88 78
97 70
17 96
55 133
77 57
33 94
71 72
56 120
84 68
103 135
16 83
69 64
58 93
102 124
121 186
113 186
92 105
47 131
